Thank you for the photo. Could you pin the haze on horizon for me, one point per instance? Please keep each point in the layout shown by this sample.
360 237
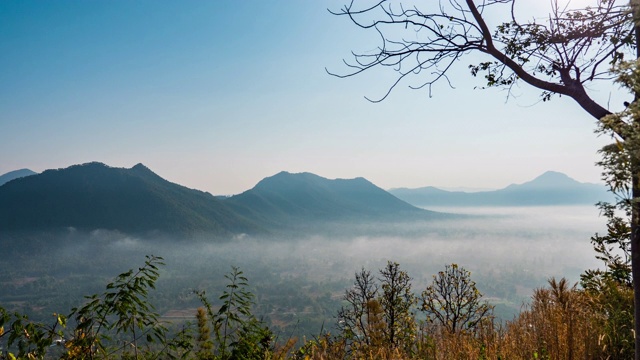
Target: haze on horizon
212 101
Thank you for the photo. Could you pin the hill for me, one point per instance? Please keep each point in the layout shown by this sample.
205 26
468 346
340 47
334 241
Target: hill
550 188
15 175
96 196
285 198
137 201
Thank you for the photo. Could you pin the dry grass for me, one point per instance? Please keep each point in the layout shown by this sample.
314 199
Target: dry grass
562 323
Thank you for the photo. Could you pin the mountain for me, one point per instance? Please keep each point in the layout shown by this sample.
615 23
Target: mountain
137 201
15 175
96 196
285 198
550 188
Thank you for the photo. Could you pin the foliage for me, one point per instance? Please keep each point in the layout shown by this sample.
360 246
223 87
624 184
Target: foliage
612 305
119 322
355 320
620 160
453 301
611 288
32 339
397 301
557 55
237 333
562 322
122 309
559 324
378 316
203 340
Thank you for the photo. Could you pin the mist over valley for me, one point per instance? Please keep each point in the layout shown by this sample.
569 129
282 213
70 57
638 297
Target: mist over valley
299 238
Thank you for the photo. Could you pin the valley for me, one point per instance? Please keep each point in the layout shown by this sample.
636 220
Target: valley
299 238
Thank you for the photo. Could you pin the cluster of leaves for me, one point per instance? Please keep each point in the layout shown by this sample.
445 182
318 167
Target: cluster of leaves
570 40
611 288
237 332
557 55
31 339
122 323
119 322
123 311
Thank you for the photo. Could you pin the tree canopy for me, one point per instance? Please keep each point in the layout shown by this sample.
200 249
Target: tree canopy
560 54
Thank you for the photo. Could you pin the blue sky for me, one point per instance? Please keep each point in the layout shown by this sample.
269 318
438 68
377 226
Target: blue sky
216 95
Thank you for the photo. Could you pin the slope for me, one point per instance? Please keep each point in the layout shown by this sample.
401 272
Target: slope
95 196
286 198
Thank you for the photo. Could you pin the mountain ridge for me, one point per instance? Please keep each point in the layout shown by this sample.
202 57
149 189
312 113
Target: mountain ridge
95 196
307 197
548 189
137 200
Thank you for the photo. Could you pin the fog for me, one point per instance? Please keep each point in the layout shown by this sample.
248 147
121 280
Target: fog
299 282
547 241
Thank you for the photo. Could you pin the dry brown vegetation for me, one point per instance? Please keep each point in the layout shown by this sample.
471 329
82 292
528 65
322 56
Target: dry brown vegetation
562 322
382 319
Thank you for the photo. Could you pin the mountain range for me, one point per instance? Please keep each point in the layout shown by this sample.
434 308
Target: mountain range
138 201
550 188
96 196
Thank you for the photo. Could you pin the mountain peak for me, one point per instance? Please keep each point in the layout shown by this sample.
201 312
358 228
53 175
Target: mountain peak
553 175
141 169
309 197
285 178
15 175
550 179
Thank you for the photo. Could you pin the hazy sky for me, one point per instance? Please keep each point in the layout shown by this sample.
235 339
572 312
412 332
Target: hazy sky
216 95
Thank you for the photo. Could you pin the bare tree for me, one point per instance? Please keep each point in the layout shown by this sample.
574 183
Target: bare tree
563 55
379 316
353 319
453 301
397 301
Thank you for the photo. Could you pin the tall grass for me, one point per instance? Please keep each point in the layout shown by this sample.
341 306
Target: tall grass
562 322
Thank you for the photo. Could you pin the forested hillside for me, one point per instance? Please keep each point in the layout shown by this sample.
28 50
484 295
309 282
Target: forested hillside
137 201
94 196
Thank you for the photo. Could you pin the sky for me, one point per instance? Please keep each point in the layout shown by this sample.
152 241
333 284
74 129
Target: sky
217 95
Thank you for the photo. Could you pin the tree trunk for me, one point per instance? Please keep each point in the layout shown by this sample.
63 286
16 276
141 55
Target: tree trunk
635 207
635 262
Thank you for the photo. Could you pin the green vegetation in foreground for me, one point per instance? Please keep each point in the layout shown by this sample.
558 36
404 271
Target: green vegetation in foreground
381 318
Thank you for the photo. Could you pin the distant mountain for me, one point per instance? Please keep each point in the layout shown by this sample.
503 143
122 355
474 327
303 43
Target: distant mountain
285 198
96 196
550 188
15 175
